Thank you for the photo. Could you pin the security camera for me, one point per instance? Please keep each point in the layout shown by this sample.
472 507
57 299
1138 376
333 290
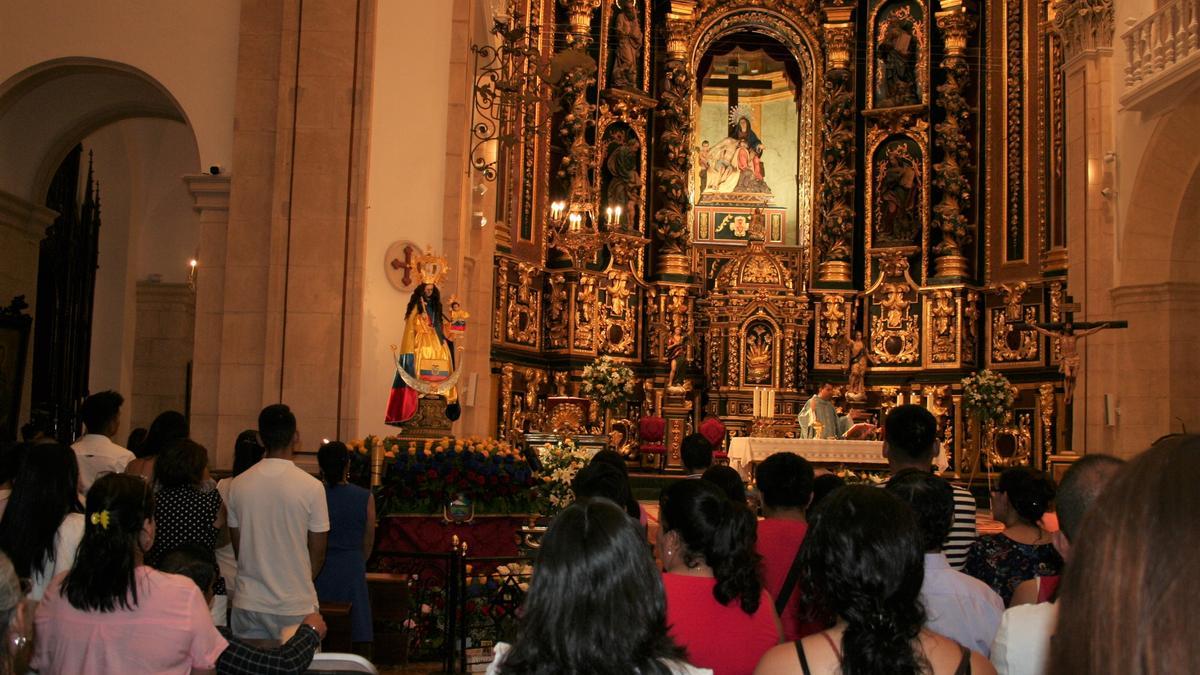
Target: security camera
215 170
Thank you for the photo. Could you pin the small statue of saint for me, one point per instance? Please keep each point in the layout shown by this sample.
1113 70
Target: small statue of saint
458 316
896 53
856 367
628 30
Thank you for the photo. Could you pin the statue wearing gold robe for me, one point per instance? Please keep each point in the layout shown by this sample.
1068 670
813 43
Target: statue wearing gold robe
425 354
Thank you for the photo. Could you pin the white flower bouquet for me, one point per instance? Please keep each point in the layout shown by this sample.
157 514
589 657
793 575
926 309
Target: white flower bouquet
560 462
607 382
987 396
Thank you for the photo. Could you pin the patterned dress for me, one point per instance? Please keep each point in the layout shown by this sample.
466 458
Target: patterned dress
1002 563
185 515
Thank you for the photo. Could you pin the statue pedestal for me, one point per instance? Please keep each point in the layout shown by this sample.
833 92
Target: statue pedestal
429 422
677 411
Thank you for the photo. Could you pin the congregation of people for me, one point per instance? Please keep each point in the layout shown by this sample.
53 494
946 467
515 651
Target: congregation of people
134 560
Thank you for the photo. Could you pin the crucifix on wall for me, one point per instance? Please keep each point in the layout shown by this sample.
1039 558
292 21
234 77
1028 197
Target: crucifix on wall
1068 333
734 83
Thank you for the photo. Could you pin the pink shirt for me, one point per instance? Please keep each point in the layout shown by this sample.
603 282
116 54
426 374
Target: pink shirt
779 540
170 630
716 636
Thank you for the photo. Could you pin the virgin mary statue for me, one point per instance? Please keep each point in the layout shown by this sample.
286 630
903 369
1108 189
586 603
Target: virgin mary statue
425 356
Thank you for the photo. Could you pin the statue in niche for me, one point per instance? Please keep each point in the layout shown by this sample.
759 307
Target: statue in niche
759 355
628 30
856 367
896 63
625 180
734 164
897 195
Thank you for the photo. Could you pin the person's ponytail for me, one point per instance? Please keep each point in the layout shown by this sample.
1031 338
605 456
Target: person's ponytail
733 559
879 637
103 578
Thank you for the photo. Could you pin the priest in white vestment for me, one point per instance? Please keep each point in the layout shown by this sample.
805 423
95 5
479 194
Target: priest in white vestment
819 419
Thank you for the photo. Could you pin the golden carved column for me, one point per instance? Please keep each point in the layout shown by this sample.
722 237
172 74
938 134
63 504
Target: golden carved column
674 115
834 235
953 175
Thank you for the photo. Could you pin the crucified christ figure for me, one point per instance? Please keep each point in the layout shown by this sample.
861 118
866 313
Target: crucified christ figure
1068 340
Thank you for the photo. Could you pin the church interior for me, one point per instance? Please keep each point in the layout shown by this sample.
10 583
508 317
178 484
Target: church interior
634 217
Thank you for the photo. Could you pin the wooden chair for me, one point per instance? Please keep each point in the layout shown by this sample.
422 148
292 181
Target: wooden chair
713 429
390 600
337 620
651 431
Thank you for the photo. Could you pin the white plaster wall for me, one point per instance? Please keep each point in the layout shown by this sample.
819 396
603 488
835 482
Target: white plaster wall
406 176
191 48
147 226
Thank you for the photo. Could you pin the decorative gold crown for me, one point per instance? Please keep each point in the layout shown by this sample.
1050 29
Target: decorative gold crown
432 268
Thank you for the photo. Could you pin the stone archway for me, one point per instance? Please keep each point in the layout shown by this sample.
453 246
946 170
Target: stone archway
145 145
1151 368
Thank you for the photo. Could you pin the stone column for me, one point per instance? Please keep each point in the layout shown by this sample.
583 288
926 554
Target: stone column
1086 28
210 199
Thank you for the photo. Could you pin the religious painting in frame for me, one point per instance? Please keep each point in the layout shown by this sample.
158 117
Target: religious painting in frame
899 56
14 346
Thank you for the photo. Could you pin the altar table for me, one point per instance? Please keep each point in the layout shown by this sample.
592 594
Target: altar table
744 451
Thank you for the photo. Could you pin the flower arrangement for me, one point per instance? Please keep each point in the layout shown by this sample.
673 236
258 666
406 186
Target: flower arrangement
424 477
560 462
607 382
359 472
987 396
862 477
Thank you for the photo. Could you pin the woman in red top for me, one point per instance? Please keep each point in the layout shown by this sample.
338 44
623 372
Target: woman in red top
717 607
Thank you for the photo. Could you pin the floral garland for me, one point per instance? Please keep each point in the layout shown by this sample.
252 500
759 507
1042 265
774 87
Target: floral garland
987 396
607 382
560 462
424 477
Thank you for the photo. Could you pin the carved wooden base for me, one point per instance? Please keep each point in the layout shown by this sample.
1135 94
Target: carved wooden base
950 266
674 263
834 270
429 422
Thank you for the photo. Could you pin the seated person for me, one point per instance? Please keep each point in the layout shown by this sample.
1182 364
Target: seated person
294 656
729 480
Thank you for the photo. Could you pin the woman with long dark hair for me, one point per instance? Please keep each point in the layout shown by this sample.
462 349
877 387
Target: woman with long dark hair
862 562
113 614
42 524
595 604
167 428
343 577
717 606
247 451
1024 549
1128 601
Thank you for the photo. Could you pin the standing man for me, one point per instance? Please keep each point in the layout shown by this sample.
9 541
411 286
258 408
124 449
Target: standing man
910 442
279 523
95 450
819 419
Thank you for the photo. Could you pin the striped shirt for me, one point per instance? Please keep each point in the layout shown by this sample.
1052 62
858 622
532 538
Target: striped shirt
962 531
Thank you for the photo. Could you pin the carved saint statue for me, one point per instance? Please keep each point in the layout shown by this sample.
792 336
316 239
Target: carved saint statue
426 357
860 359
896 54
625 181
676 353
628 30
898 197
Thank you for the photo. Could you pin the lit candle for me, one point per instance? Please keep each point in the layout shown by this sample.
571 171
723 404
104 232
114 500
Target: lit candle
617 213
608 215
899 398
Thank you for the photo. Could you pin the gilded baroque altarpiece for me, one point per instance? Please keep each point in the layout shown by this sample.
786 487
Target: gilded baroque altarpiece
744 188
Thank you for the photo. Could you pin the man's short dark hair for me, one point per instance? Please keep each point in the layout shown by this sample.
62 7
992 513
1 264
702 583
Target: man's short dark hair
192 561
99 410
729 480
276 427
696 453
785 481
1082 483
910 432
931 499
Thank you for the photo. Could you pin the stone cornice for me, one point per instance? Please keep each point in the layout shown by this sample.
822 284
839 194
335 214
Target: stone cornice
1170 291
1086 27
25 218
209 193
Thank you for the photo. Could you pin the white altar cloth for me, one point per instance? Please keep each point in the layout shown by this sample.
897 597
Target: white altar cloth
745 450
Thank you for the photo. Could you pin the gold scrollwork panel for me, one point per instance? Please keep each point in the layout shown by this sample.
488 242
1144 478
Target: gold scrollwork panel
1008 346
834 320
942 331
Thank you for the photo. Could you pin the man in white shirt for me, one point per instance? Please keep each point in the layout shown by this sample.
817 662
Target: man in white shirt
279 522
910 442
960 607
95 450
1022 645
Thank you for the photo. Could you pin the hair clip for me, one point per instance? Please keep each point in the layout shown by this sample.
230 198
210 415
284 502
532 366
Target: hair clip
100 518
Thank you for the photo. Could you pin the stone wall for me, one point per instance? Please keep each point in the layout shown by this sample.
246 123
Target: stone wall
166 320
